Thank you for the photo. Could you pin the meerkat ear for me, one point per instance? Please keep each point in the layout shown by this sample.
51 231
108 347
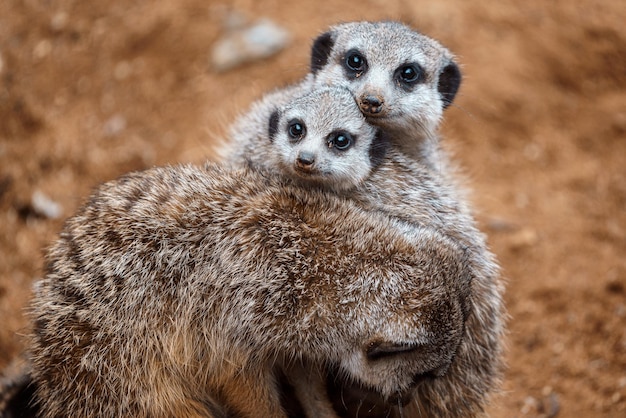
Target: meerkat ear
273 125
321 50
449 82
379 147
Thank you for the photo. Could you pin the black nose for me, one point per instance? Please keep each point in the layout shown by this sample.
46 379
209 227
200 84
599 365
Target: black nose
305 160
373 101
378 350
371 104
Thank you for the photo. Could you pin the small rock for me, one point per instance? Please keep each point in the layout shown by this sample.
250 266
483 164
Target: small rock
533 151
530 405
549 406
44 206
255 42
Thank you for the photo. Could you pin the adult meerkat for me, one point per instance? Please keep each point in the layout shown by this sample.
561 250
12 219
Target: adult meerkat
186 291
412 183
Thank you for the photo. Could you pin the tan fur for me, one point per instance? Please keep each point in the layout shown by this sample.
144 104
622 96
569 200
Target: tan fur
186 292
414 183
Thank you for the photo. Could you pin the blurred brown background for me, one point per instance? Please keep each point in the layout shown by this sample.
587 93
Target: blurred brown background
90 90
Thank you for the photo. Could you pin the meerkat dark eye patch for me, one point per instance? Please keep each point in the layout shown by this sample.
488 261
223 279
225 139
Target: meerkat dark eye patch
354 63
449 82
320 51
296 129
409 74
340 140
273 125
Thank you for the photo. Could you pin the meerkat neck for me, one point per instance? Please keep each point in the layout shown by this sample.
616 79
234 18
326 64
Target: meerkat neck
425 149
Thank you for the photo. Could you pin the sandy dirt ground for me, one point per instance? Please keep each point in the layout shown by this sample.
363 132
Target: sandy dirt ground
91 90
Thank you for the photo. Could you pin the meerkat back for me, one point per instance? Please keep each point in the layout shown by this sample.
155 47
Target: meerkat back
201 292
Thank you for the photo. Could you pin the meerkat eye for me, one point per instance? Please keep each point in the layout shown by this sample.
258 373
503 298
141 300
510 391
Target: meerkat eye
409 74
355 61
340 141
296 129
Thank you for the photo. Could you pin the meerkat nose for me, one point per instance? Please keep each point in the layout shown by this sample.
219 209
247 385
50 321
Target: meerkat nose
371 104
305 160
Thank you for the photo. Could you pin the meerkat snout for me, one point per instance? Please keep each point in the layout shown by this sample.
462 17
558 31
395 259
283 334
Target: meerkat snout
305 161
372 104
377 351
385 349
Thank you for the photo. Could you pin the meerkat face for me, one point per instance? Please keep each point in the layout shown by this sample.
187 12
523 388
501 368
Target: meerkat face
402 80
323 139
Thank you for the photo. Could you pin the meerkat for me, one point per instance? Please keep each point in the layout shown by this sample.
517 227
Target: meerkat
413 181
398 187
373 60
319 139
186 291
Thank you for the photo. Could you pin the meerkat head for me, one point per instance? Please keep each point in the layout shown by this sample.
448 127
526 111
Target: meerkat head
322 138
402 80
393 328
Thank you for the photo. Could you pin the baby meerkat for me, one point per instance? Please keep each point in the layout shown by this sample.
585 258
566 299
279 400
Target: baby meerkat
319 139
398 187
203 292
